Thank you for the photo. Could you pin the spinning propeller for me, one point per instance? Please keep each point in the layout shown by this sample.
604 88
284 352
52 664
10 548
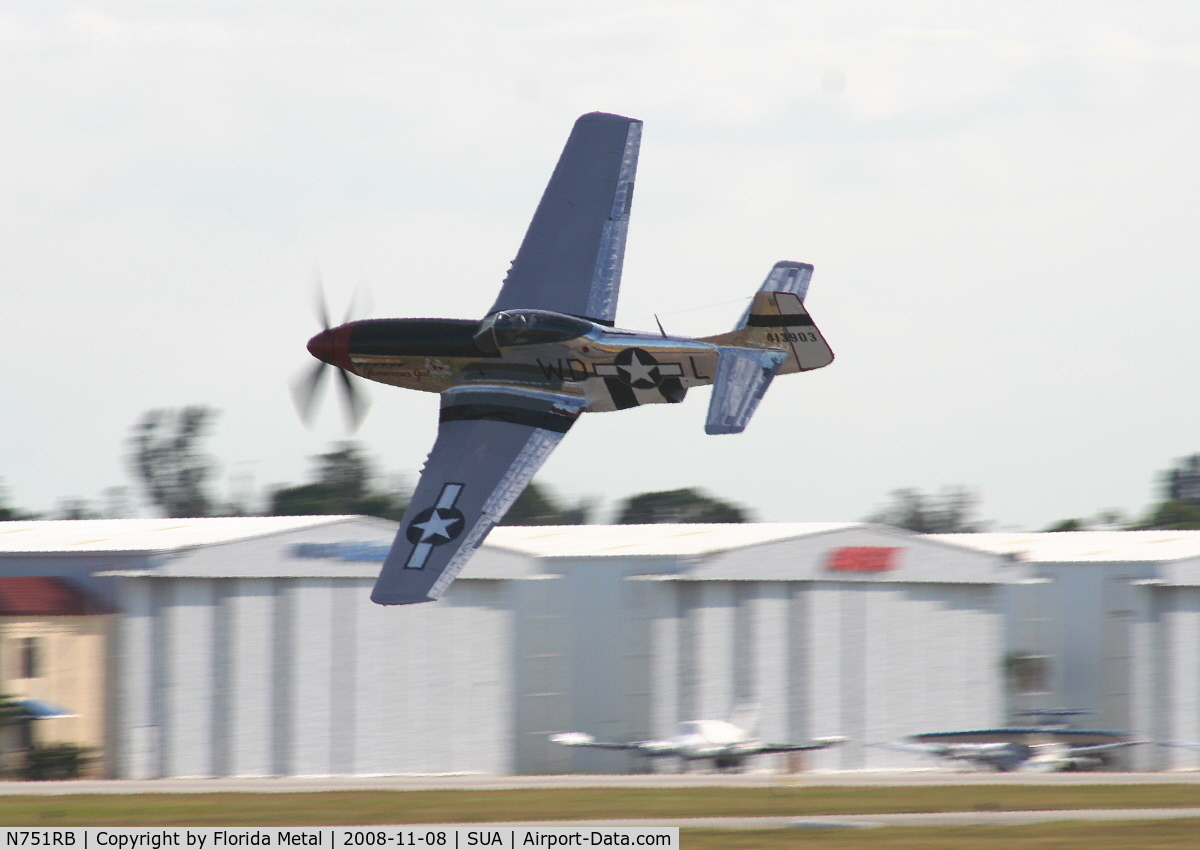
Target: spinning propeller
326 347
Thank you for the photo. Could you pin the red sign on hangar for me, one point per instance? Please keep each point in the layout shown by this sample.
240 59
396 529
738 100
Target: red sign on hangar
862 559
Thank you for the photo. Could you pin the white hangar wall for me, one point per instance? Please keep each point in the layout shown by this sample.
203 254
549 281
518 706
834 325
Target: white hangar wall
249 646
1116 616
872 662
649 641
260 677
1177 681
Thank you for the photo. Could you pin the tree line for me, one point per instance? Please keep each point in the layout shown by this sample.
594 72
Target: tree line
174 473
953 509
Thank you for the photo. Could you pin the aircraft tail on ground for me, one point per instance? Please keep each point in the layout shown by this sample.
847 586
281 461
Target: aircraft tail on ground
774 337
745 715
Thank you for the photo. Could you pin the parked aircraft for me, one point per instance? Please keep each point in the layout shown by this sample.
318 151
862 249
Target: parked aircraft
513 383
1044 757
1047 747
727 743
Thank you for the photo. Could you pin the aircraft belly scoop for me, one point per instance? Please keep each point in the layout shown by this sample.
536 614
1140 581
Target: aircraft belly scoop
491 441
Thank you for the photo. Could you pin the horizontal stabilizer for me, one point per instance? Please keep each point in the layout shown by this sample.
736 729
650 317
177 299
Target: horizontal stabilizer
743 375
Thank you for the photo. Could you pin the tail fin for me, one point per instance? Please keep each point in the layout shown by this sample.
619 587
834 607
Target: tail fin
785 276
775 336
780 320
777 318
745 716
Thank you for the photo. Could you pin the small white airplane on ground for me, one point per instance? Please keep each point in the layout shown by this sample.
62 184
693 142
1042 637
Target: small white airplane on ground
727 743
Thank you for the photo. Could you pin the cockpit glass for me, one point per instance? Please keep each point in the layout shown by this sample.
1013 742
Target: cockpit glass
530 327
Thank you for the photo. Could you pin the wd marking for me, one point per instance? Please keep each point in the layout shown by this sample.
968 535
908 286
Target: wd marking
435 526
638 369
564 370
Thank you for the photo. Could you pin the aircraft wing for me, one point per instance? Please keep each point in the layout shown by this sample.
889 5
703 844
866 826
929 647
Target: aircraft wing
570 261
1100 748
814 744
490 442
582 739
920 749
1190 745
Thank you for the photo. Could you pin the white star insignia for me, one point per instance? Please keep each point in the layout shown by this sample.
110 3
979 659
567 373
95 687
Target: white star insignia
436 526
637 370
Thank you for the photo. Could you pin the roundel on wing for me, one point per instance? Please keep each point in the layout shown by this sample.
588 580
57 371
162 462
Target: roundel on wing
436 526
638 369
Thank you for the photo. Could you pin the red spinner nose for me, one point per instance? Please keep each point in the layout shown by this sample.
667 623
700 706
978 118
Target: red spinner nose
332 346
321 346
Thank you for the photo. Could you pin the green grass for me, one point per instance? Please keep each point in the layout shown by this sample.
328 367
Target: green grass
371 807
1110 835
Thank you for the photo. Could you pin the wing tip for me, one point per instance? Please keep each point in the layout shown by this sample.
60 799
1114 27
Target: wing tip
607 117
385 599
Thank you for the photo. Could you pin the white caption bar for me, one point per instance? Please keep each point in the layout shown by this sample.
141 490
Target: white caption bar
337 837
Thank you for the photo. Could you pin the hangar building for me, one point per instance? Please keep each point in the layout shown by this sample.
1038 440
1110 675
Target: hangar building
248 646
1116 615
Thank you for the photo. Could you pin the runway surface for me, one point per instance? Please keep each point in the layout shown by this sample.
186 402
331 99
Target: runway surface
931 778
475 782
851 821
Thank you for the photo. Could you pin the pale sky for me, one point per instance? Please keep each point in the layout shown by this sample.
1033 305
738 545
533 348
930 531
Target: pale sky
1000 200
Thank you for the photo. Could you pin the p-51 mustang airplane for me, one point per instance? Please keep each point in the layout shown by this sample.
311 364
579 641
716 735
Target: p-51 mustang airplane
728 743
513 383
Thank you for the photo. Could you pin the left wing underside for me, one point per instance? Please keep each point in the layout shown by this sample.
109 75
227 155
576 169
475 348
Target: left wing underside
491 441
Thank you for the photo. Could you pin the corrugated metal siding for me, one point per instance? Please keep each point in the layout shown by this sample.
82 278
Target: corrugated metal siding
798 697
1180 613
767 604
250 675
663 612
186 648
1147 669
888 647
137 745
638 639
541 668
852 679
256 677
301 675
823 635
312 689
713 623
